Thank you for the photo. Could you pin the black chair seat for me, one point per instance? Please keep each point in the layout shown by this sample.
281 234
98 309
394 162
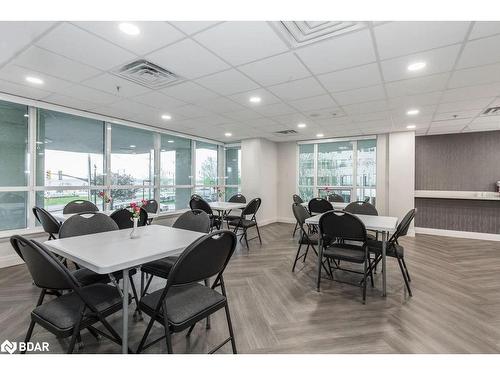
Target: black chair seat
61 314
186 304
311 239
245 223
160 267
88 277
392 250
349 253
231 217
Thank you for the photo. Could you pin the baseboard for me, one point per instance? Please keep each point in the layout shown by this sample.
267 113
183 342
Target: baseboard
288 220
266 222
10 260
459 234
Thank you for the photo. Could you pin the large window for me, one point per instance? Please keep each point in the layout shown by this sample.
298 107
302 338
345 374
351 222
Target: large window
347 168
206 171
69 159
14 162
232 177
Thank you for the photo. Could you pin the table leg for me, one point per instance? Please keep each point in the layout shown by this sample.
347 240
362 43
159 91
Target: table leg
384 273
125 312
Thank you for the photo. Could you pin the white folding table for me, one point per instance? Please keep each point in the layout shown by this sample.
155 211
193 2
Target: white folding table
383 224
226 206
63 217
108 252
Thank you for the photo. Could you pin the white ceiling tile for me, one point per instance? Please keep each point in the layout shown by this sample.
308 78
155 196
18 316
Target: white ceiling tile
265 96
221 105
484 28
131 106
446 123
438 61
243 115
18 35
278 69
109 83
77 44
187 59
216 120
291 120
480 52
475 76
471 93
261 122
456 115
315 102
192 111
189 92
339 53
153 35
368 107
348 79
302 88
242 42
415 101
17 74
400 112
403 38
22 90
275 109
483 127
366 94
70 102
228 82
158 100
191 27
374 116
416 86
450 129
88 94
44 61
464 105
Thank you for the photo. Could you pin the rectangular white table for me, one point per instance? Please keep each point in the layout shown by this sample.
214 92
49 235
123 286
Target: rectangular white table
226 206
108 252
63 217
383 224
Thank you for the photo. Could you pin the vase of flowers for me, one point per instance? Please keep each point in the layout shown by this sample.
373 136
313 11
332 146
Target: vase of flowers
219 193
135 210
106 199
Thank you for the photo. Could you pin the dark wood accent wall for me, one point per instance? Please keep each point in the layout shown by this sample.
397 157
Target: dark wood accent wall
461 162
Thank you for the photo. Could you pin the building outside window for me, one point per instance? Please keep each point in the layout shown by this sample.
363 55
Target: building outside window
232 177
206 171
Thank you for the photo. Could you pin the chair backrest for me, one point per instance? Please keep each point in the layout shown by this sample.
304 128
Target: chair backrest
252 207
195 220
319 205
341 225
404 224
297 199
151 206
78 206
198 203
86 223
300 213
123 218
238 198
361 207
49 223
334 197
45 269
204 258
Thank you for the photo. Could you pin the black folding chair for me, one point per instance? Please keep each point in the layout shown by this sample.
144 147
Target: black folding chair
296 199
244 224
237 198
78 308
78 206
49 223
198 203
123 218
184 302
319 206
334 197
151 207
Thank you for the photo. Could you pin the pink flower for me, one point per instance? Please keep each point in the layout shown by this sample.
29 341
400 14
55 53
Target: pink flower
144 202
133 205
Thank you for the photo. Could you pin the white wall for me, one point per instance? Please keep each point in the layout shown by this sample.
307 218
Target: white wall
287 180
382 201
259 176
401 195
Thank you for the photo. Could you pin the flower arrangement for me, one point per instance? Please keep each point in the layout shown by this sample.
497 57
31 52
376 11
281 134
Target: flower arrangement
105 197
135 208
327 191
219 192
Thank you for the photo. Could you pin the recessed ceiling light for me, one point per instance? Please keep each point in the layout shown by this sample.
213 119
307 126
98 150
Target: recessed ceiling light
228 134
417 66
319 135
35 80
170 141
301 125
129 28
255 99
166 117
412 112
26 115
132 146
411 126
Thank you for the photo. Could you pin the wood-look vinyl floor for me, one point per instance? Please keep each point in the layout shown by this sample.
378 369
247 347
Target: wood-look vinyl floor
455 306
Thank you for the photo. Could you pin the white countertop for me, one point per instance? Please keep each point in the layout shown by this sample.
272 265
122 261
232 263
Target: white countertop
450 194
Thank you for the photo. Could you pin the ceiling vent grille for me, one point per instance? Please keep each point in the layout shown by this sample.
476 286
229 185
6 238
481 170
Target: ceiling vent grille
147 74
492 111
299 33
286 132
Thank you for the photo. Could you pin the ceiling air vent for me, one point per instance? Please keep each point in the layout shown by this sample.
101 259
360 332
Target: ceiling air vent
286 132
299 33
492 111
147 74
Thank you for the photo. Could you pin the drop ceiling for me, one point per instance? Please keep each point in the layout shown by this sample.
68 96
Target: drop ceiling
353 82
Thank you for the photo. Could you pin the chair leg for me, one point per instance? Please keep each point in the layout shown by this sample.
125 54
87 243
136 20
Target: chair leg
207 326
94 333
137 312
167 334
147 285
295 229
230 327
145 336
364 281
407 283
246 239
258 232
296 257
370 269
28 334
74 337
406 269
